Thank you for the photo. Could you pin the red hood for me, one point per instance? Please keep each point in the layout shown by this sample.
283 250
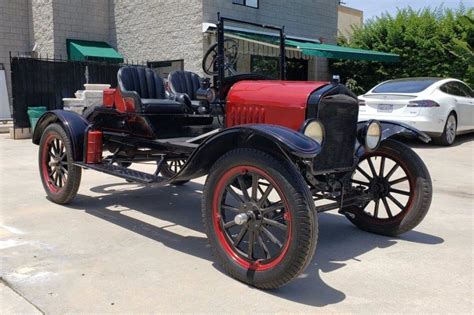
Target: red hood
272 102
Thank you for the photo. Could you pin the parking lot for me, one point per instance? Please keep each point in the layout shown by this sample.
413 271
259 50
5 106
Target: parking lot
126 248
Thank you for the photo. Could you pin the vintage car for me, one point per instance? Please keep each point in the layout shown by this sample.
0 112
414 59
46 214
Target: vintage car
275 153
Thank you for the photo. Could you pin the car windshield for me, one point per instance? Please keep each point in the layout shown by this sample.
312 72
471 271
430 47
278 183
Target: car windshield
404 86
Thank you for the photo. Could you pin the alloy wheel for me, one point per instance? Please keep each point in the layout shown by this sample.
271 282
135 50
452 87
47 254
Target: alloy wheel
451 129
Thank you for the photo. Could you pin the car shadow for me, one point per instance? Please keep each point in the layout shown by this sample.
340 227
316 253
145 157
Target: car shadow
339 241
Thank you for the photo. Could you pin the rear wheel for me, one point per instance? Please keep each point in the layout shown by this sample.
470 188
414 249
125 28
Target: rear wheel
60 177
171 167
449 133
260 225
400 185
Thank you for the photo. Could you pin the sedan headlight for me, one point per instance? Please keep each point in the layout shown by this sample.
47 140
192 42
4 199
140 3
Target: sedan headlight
314 129
373 135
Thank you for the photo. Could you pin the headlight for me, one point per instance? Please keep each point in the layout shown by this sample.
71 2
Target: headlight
314 129
211 95
373 135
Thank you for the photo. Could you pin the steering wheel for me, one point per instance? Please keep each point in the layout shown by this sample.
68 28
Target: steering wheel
231 51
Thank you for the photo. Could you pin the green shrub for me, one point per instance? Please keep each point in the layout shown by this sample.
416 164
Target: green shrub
431 43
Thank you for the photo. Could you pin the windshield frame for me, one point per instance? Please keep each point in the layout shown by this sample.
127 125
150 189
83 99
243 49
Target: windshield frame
220 47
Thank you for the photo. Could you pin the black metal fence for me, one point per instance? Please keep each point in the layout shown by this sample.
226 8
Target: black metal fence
45 82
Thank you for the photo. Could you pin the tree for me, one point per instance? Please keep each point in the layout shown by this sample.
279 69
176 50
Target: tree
431 42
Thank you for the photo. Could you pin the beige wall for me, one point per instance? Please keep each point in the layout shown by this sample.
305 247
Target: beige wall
348 18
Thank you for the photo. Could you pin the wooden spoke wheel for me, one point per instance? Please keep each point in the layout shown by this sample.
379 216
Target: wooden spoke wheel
400 186
259 222
60 177
171 167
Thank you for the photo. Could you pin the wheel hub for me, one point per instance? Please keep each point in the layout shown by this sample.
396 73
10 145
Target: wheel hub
380 187
251 216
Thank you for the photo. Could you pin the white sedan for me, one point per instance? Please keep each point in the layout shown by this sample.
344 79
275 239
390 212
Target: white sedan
442 108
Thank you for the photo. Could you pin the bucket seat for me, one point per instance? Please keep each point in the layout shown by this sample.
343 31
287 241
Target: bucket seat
147 89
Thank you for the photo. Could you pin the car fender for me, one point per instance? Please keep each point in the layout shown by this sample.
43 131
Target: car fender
391 129
74 124
278 141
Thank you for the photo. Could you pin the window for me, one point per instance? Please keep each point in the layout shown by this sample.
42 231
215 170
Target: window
247 3
467 90
404 86
164 68
456 89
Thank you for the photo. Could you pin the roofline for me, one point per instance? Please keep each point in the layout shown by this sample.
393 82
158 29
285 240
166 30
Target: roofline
206 26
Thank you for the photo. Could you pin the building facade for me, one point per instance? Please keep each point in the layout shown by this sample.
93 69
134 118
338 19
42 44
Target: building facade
165 33
348 20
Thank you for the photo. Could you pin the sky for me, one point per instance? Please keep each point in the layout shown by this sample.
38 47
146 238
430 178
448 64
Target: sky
373 8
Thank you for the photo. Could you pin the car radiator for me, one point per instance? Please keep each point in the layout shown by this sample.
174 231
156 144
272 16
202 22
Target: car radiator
338 113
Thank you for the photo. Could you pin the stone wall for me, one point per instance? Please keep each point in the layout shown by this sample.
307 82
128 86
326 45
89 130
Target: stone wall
14 32
42 31
157 30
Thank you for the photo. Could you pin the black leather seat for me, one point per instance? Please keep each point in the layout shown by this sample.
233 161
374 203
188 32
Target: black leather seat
185 82
148 91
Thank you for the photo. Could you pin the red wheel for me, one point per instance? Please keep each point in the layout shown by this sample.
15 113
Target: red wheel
59 176
252 204
253 227
400 186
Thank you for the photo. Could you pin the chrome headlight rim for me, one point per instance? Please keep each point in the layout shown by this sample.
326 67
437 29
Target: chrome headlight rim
368 126
305 129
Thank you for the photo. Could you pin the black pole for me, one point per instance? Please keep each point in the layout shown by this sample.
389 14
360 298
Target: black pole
220 53
282 54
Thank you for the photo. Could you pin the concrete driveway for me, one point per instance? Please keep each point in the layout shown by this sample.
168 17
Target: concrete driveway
124 248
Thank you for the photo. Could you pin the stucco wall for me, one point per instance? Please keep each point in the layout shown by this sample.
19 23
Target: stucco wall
157 30
348 18
14 32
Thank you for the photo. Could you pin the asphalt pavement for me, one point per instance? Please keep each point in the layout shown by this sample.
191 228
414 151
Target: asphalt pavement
126 248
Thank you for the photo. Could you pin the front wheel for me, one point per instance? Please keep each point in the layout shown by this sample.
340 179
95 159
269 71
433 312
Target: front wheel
260 224
60 177
400 186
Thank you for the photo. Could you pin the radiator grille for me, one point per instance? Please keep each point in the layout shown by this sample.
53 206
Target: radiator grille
338 114
246 114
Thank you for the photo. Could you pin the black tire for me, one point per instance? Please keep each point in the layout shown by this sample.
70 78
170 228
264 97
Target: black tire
448 136
169 169
402 216
300 237
60 177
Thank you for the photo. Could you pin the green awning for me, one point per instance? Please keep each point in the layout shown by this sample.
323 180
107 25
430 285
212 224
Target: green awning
320 50
340 52
81 50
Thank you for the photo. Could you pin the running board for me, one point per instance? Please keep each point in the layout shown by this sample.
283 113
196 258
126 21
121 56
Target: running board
126 173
